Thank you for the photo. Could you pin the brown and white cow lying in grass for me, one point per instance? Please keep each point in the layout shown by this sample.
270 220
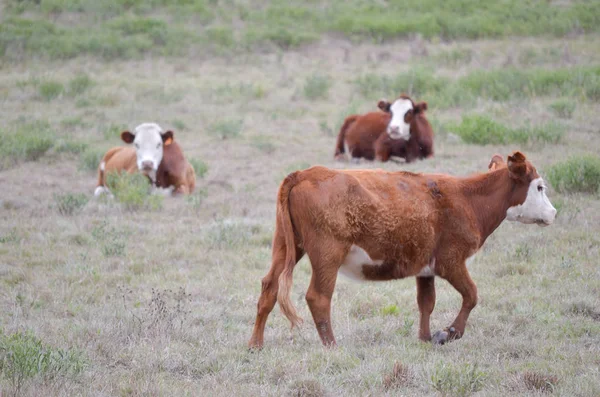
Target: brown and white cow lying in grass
375 225
155 154
401 130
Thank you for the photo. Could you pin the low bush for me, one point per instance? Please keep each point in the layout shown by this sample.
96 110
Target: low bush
25 142
70 203
133 191
577 174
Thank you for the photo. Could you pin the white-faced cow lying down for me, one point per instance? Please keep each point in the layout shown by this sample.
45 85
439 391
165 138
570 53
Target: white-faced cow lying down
155 154
375 225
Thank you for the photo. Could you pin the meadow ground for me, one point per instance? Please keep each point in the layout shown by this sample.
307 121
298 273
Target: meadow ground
157 296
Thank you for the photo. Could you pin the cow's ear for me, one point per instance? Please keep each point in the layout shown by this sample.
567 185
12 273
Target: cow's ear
127 137
167 137
517 167
495 162
384 105
420 107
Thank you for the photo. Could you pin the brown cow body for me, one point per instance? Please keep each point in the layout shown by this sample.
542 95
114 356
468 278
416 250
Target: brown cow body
364 136
173 172
375 225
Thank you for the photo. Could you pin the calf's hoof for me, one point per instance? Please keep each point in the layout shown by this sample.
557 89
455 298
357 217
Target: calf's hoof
444 336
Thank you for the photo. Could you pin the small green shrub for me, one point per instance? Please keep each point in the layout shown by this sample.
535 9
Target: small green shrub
113 131
79 84
133 191
68 146
112 241
70 203
317 86
25 142
227 234
577 174
179 125
458 380
563 108
90 159
482 130
200 167
49 90
263 143
226 129
390 310
23 357
196 199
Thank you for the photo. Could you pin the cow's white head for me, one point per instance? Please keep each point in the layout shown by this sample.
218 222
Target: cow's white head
148 140
535 207
401 110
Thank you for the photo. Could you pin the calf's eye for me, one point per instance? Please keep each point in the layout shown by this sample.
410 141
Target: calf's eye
540 188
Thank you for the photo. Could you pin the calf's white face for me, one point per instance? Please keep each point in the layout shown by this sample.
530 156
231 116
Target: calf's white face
536 208
148 140
398 128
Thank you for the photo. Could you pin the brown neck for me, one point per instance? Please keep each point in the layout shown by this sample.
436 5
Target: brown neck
489 195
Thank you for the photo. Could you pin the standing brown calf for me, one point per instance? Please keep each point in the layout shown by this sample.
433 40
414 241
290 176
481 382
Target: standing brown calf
374 225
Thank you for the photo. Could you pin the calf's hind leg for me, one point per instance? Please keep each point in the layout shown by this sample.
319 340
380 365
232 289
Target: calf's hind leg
269 288
325 262
426 302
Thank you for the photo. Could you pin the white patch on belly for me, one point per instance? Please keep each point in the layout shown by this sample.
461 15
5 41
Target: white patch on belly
354 261
429 270
102 166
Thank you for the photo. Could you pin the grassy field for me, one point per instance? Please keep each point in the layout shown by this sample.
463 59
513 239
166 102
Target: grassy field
146 295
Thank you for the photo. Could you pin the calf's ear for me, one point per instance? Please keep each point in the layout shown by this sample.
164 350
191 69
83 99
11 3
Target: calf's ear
127 137
495 162
517 167
384 105
167 137
420 107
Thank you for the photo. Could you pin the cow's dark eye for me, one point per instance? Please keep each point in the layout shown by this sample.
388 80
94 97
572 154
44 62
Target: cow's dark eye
540 188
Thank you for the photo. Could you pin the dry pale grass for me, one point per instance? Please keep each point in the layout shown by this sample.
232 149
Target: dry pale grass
162 302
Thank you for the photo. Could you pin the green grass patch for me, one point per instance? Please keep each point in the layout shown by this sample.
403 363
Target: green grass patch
482 130
70 203
116 29
79 84
50 90
112 241
226 129
563 108
89 159
200 167
457 380
498 85
577 174
133 191
24 357
317 86
25 142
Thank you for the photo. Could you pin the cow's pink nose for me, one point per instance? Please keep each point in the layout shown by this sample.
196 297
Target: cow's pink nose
147 165
394 129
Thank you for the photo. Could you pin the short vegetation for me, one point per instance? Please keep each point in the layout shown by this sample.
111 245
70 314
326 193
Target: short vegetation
577 174
24 142
133 191
131 28
482 130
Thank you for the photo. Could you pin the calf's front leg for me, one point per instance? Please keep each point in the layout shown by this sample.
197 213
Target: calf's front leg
460 279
